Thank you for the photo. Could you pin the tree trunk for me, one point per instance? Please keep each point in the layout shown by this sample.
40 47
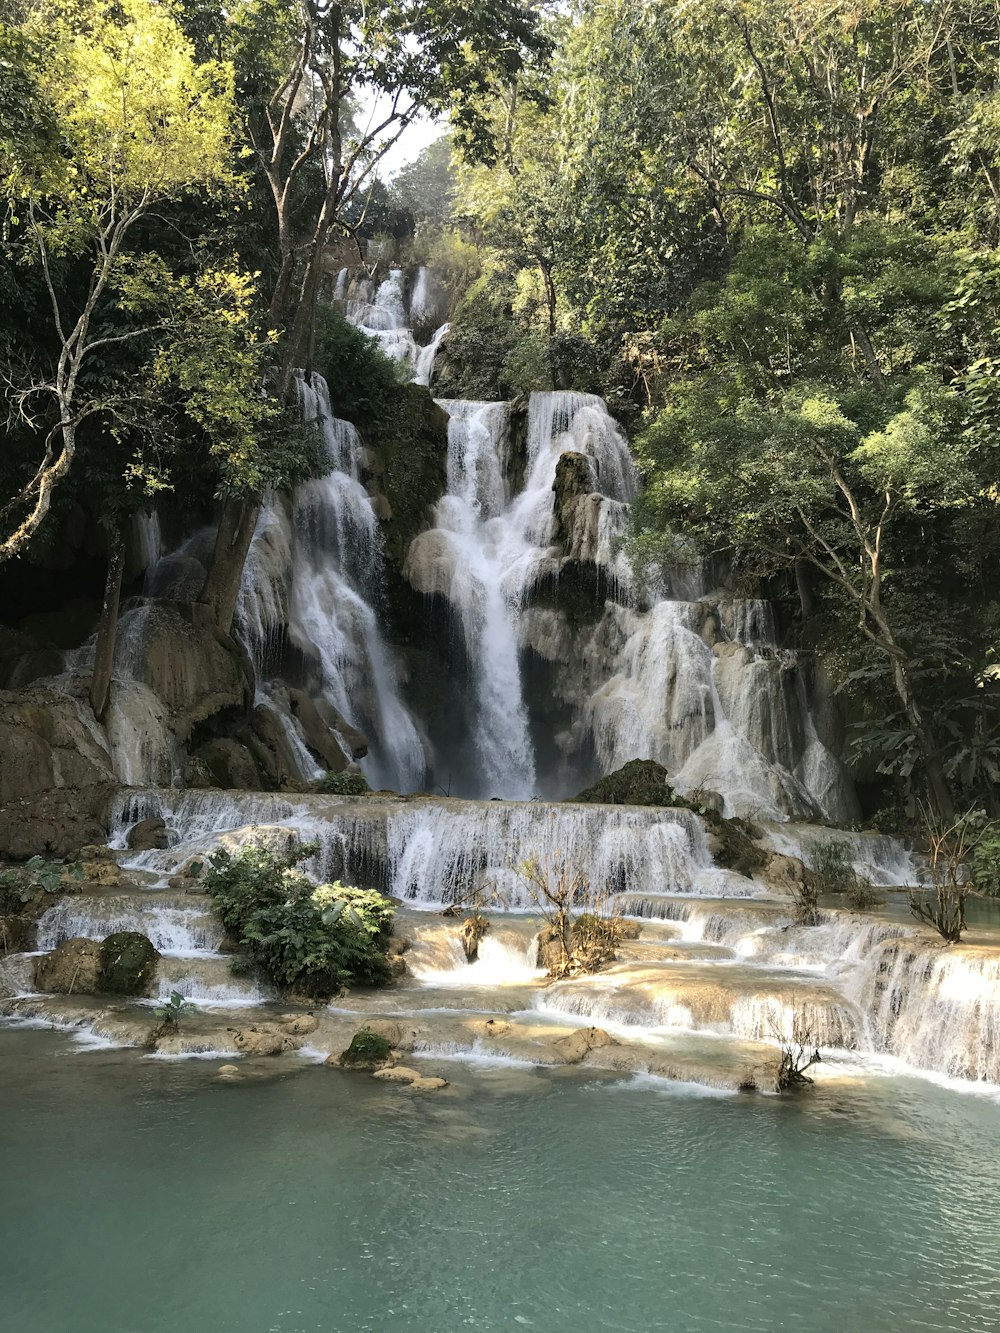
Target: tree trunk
107 629
933 768
232 542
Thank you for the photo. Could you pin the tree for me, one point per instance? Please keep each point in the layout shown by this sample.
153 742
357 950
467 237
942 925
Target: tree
134 121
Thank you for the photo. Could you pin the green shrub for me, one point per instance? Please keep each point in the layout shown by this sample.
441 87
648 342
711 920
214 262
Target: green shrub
833 872
984 865
367 1049
345 783
20 885
315 939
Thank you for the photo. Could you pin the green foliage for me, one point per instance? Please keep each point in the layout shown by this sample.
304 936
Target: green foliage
171 1011
832 871
315 939
368 1050
22 884
344 783
984 863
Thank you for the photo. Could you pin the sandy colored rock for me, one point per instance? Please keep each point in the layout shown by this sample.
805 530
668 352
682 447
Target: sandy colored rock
299 1025
394 1033
492 1027
428 1084
72 968
578 1045
261 1040
229 1070
397 1074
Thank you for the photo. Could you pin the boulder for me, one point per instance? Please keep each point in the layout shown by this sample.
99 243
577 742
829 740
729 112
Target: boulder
230 764
148 835
128 963
263 1039
194 668
397 1074
72 968
428 1084
574 481
319 737
299 1025
492 1028
356 741
56 781
783 873
578 1045
17 934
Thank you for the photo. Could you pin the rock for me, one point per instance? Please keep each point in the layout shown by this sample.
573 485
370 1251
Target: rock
639 782
355 741
784 873
577 1045
397 1074
262 1040
194 668
551 953
299 1025
230 764
149 835
368 1049
574 481
17 934
56 782
394 1033
97 853
128 963
492 1027
320 739
429 1084
228 1071
72 968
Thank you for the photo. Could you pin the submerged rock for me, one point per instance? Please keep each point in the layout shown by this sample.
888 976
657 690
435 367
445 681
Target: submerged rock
263 1039
578 1045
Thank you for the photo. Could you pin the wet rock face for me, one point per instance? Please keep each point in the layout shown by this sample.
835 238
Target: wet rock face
149 835
56 782
230 765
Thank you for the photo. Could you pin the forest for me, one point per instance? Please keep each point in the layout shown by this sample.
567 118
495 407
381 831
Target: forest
765 232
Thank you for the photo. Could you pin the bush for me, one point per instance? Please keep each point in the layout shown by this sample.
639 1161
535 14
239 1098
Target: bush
345 783
315 939
833 872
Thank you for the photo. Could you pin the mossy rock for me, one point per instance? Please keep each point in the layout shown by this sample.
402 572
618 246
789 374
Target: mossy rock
368 1050
346 783
639 782
734 846
128 963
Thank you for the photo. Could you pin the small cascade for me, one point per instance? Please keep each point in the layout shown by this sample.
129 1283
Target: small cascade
208 981
172 922
381 312
507 957
877 857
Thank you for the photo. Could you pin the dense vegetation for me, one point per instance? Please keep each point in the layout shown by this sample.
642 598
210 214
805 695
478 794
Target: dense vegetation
768 233
315 940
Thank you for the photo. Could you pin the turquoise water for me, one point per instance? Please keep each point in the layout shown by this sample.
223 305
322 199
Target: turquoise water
146 1196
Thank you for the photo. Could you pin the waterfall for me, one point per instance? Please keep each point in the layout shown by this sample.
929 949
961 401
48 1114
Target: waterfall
314 571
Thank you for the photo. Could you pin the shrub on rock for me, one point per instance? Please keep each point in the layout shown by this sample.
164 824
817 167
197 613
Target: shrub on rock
368 1050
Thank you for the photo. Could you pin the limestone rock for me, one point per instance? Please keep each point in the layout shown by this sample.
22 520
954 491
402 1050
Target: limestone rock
72 968
356 741
492 1027
428 1084
148 835
784 873
578 1045
17 933
396 1034
263 1039
397 1074
574 481
192 666
319 737
56 781
639 782
299 1025
230 764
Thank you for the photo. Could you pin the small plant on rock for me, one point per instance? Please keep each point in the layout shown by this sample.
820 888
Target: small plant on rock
834 872
173 1010
953 850
345 783
799 1052
20 885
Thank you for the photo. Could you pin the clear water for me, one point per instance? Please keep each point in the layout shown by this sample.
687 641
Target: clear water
147 1197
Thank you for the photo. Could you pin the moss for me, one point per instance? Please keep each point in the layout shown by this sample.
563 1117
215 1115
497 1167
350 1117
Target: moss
735 846
367 1050
411 441
128 963
342 784
639 782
